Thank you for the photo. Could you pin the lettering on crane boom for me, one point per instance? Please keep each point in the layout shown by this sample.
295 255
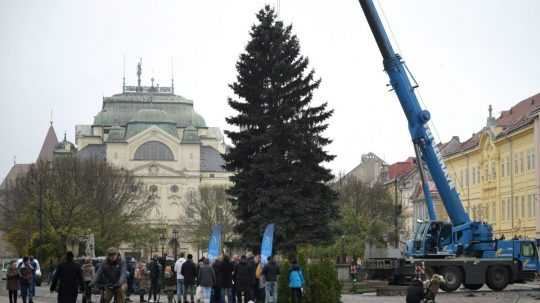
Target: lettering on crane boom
439 157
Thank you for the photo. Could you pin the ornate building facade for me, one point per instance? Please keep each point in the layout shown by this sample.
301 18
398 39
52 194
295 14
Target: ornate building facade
496 170
161 139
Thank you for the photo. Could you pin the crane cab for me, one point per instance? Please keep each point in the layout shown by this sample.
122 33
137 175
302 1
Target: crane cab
430 239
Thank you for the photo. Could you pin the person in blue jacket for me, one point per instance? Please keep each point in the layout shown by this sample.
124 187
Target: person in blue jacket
296 282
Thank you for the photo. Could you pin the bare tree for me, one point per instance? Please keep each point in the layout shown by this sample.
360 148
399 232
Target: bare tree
72 198
204 208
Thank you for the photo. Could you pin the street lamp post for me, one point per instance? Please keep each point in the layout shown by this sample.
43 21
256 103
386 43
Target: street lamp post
175 239
162 239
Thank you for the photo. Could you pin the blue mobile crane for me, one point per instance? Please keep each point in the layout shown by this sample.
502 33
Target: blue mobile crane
462 250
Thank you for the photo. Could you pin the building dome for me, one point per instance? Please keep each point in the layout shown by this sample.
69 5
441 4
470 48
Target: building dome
150 115
197 120
146 118
104 117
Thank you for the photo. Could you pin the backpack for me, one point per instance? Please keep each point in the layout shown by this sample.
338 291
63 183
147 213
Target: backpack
26 272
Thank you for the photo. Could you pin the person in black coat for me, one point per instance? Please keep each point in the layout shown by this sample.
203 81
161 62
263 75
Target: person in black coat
189 271
415 292
226 278
244 277
155 278
68 277
216 292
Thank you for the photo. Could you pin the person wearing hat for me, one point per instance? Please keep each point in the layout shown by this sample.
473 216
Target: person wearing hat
111 276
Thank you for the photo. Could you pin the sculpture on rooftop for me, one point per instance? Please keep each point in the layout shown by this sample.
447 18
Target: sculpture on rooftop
139 72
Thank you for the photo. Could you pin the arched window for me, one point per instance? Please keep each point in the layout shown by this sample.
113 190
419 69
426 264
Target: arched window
153 150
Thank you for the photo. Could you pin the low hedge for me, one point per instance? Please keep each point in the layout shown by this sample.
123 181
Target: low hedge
322 284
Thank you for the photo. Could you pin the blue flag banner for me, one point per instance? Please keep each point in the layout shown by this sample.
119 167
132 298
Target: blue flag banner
267 241
214 246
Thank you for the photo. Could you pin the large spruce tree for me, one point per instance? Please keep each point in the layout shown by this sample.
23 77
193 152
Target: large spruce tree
278 150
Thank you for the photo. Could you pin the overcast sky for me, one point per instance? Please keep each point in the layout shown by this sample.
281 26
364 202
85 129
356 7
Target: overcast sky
65 55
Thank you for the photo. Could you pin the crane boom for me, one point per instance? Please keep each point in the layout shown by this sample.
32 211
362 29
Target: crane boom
467 236
417 118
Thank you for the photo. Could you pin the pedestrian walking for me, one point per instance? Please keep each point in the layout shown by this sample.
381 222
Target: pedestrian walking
226 280
296 282
189 272
216 290
155 277
130 276
179 277
88 274
244 278
235 262
142 281
25 279
206 279
111 277
254 287
68 277
12 282
271 273
260 281
35 272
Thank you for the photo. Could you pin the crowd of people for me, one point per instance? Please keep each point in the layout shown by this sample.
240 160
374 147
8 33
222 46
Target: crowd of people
240 279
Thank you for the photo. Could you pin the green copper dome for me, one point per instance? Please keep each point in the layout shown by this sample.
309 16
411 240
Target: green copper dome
146 118
151 116
124 108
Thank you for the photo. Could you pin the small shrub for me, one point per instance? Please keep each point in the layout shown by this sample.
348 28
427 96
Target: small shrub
322 284
284 293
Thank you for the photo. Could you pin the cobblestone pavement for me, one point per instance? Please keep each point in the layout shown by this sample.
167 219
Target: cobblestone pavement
514 294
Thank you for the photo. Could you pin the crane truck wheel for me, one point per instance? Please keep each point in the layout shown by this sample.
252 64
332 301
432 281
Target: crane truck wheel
473 286
497 278
453 277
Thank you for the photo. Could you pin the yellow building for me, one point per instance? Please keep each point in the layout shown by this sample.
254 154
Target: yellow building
496 170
